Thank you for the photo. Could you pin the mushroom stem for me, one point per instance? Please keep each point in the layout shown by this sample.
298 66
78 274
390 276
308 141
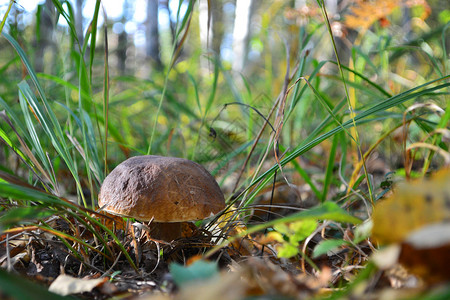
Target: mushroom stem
166 231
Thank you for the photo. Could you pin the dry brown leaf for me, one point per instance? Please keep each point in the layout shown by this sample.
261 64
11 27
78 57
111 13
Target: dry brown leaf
113 222
412 206
67 285
415 221
425 253
365 13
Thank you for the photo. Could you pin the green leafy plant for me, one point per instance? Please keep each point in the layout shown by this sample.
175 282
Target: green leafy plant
291 234
198 271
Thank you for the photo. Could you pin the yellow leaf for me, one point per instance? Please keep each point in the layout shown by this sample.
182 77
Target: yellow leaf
364 14
275 236
412 205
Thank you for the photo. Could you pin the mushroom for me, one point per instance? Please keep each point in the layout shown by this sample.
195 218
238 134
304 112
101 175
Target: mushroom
165 190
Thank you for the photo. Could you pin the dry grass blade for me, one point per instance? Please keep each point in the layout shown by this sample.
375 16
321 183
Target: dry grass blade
406 123
279 117
56 233
80 149
369 151
409 156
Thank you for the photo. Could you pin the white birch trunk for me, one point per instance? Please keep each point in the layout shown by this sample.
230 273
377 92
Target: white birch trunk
241 33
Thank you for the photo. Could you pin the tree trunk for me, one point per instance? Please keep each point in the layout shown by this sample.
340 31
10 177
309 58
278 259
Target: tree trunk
152 34
218 26
45 33
121 52
204 23
213 38
241 33
165 5
79 20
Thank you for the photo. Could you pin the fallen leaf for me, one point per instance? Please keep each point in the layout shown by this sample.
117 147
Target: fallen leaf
112 221
387 257
365 13
67 285
414 220
412 205
425 253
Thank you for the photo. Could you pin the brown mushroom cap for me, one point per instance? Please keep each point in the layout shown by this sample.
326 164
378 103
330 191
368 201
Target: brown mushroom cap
167 189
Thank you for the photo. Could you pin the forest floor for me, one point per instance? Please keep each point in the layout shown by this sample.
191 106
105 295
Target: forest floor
412 266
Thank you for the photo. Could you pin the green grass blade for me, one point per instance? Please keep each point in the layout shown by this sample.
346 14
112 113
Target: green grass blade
306 178
212 94
93 36
176 49
7 140
5 17
16 120
58 80
35 139
298 93
197 97
19 288
106 88
22 215
379 107
68 16
330 168
9 190
326 211
46 116
47 119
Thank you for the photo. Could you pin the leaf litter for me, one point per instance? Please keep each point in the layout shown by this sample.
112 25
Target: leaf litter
284 263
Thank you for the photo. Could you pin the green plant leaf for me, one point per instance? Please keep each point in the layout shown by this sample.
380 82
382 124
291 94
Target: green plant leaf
287 250
327 245
302 229
199 270
23 193
275 236
21 215
297 231
282 228
326 211
363 231
19 288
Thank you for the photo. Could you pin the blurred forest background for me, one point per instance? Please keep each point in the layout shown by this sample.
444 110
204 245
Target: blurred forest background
229 51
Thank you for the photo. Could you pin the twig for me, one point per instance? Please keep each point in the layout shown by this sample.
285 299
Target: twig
8 255
107 273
